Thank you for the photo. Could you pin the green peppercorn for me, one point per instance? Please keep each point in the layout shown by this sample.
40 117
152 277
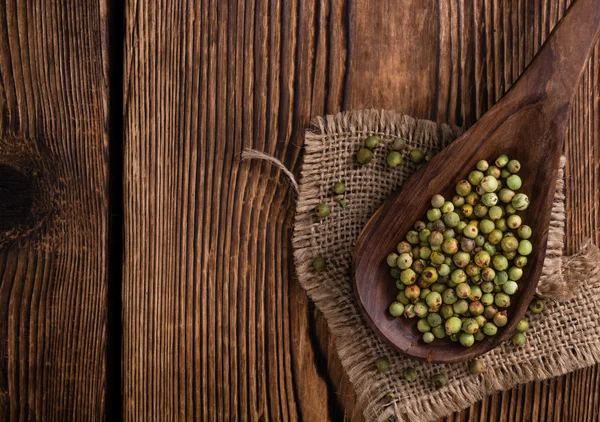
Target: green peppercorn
403 261
486 226
500 263
500 319
395 273
451 219
410 374
399 144
412 237
504 173
506 195
458 201
424 293
476 308
471 269
515 273
421 309
477 366
319 264
518 340
466 340
482 259
536 306
463 290
479 335
487 287
417 156
409 311
472 199
394 159
382 364
364 156
490 329
428 337
450 246
475 177
501 276
490 310
401 297
439 331
487 299
523 325
514 221
434 319
520 261
475 294
510 209
391 259
493 171
424 252
419 266
525 247
520 201
461 226
461 259
489 199
339 188
501 225
404 247
501 161
413 291
513 166
449 296
423 326
463 188
434 300
396 309
524 232
439 287
444 269
495 213
514 182
502 300
509 244
458 276
372 142
489 184
439 380
453 325
322 210
446 311
408 277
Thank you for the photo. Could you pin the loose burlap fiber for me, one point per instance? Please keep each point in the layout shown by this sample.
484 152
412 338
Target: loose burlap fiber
565 337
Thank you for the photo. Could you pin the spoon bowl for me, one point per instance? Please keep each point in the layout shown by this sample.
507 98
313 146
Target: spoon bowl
527 124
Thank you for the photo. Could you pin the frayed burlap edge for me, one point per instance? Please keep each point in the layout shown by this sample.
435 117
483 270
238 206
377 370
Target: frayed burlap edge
343 315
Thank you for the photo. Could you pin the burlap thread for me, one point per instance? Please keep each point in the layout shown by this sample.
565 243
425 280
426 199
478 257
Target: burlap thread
562 339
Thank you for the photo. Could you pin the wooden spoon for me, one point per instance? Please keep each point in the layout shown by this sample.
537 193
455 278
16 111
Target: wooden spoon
527 124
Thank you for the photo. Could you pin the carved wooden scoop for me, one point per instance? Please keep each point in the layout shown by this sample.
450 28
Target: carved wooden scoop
527 124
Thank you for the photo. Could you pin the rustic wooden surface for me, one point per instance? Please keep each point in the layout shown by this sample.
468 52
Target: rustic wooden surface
53 284
215 325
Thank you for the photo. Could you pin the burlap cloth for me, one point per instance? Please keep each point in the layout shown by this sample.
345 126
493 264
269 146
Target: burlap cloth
565 337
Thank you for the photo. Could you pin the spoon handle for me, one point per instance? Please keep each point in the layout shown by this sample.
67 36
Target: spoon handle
555 72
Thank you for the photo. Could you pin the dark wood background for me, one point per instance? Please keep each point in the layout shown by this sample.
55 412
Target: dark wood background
148 108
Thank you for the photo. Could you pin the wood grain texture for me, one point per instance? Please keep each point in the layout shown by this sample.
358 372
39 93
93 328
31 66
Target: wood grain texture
53 283
215 326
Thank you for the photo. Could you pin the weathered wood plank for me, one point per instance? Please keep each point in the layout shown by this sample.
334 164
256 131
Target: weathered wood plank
53 268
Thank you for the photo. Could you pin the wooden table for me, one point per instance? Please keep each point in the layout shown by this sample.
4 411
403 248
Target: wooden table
192 312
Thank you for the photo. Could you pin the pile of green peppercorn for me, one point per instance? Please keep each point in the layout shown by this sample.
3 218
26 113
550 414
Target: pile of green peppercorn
457 271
